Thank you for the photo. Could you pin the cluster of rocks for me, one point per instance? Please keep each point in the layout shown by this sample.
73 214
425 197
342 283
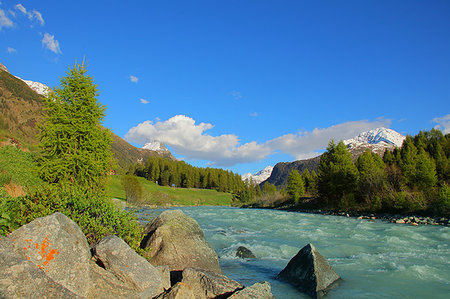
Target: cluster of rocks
399 219
50 257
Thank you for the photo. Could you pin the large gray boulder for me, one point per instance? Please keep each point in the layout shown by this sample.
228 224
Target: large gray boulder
47 251
177 240
209 284
129 267
20 278
309 272
260 290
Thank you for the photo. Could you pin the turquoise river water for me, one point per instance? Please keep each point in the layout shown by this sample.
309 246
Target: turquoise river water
375 259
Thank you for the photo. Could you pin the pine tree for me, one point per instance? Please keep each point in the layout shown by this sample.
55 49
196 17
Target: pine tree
337 175
269 188
75 147
372 177
306 177
425 174
295 186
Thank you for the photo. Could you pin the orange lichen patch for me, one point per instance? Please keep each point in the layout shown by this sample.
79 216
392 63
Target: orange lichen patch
45 252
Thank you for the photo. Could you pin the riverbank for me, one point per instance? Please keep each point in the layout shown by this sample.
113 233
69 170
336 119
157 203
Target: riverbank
409 219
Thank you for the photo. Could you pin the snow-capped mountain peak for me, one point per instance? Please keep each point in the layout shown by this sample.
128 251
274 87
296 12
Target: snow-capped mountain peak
377 140
377 136
260 176
155 146
38 87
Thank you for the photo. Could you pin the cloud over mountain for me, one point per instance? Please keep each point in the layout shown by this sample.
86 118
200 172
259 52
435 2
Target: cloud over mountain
190 140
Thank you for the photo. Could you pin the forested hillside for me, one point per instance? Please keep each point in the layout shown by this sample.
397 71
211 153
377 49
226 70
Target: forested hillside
411 179
180 174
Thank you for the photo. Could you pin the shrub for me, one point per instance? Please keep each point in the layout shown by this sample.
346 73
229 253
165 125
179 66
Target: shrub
133 189
91 210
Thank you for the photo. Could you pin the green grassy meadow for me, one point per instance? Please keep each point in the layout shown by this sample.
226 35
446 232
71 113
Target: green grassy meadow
164 195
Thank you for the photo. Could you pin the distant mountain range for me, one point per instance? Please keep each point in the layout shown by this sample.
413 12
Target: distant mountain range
377 140
21 110
260 176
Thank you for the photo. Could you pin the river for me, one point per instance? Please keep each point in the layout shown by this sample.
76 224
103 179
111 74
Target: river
375 259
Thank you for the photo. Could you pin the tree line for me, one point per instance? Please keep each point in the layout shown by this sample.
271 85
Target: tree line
413 178
179 174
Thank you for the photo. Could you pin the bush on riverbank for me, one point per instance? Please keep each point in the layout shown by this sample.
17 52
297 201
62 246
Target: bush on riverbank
91 210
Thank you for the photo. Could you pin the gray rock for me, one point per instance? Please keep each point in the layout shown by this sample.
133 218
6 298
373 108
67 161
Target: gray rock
180 290
244 253
56 247
106 285
177 240
129 267
20 278
309 272
209 284
260 290
164 273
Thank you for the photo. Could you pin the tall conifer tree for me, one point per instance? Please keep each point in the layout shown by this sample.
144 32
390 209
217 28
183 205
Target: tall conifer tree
75 147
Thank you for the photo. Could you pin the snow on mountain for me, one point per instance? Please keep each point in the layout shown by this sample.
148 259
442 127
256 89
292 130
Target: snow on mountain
260 176
155 146
377 140
38 87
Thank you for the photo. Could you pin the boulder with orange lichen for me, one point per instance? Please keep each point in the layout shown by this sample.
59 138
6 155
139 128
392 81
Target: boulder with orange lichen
53 247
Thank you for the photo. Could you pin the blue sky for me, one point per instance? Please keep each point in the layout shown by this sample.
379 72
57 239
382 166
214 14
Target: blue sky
243 84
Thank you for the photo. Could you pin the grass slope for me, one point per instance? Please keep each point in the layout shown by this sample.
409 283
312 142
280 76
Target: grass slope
162 195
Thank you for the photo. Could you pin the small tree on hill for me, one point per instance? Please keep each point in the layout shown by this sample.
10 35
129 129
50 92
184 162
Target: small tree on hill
75 147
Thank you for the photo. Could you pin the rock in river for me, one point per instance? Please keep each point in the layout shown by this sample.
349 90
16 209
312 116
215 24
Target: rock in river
310 272
244 253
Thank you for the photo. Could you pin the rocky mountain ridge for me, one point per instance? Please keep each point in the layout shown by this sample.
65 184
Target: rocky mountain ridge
377 140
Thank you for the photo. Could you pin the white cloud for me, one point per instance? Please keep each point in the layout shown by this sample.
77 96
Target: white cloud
306 145
38 16
443 123
144 101
11 50
191 141
134 79
32 15
21 8
4 20
51 43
